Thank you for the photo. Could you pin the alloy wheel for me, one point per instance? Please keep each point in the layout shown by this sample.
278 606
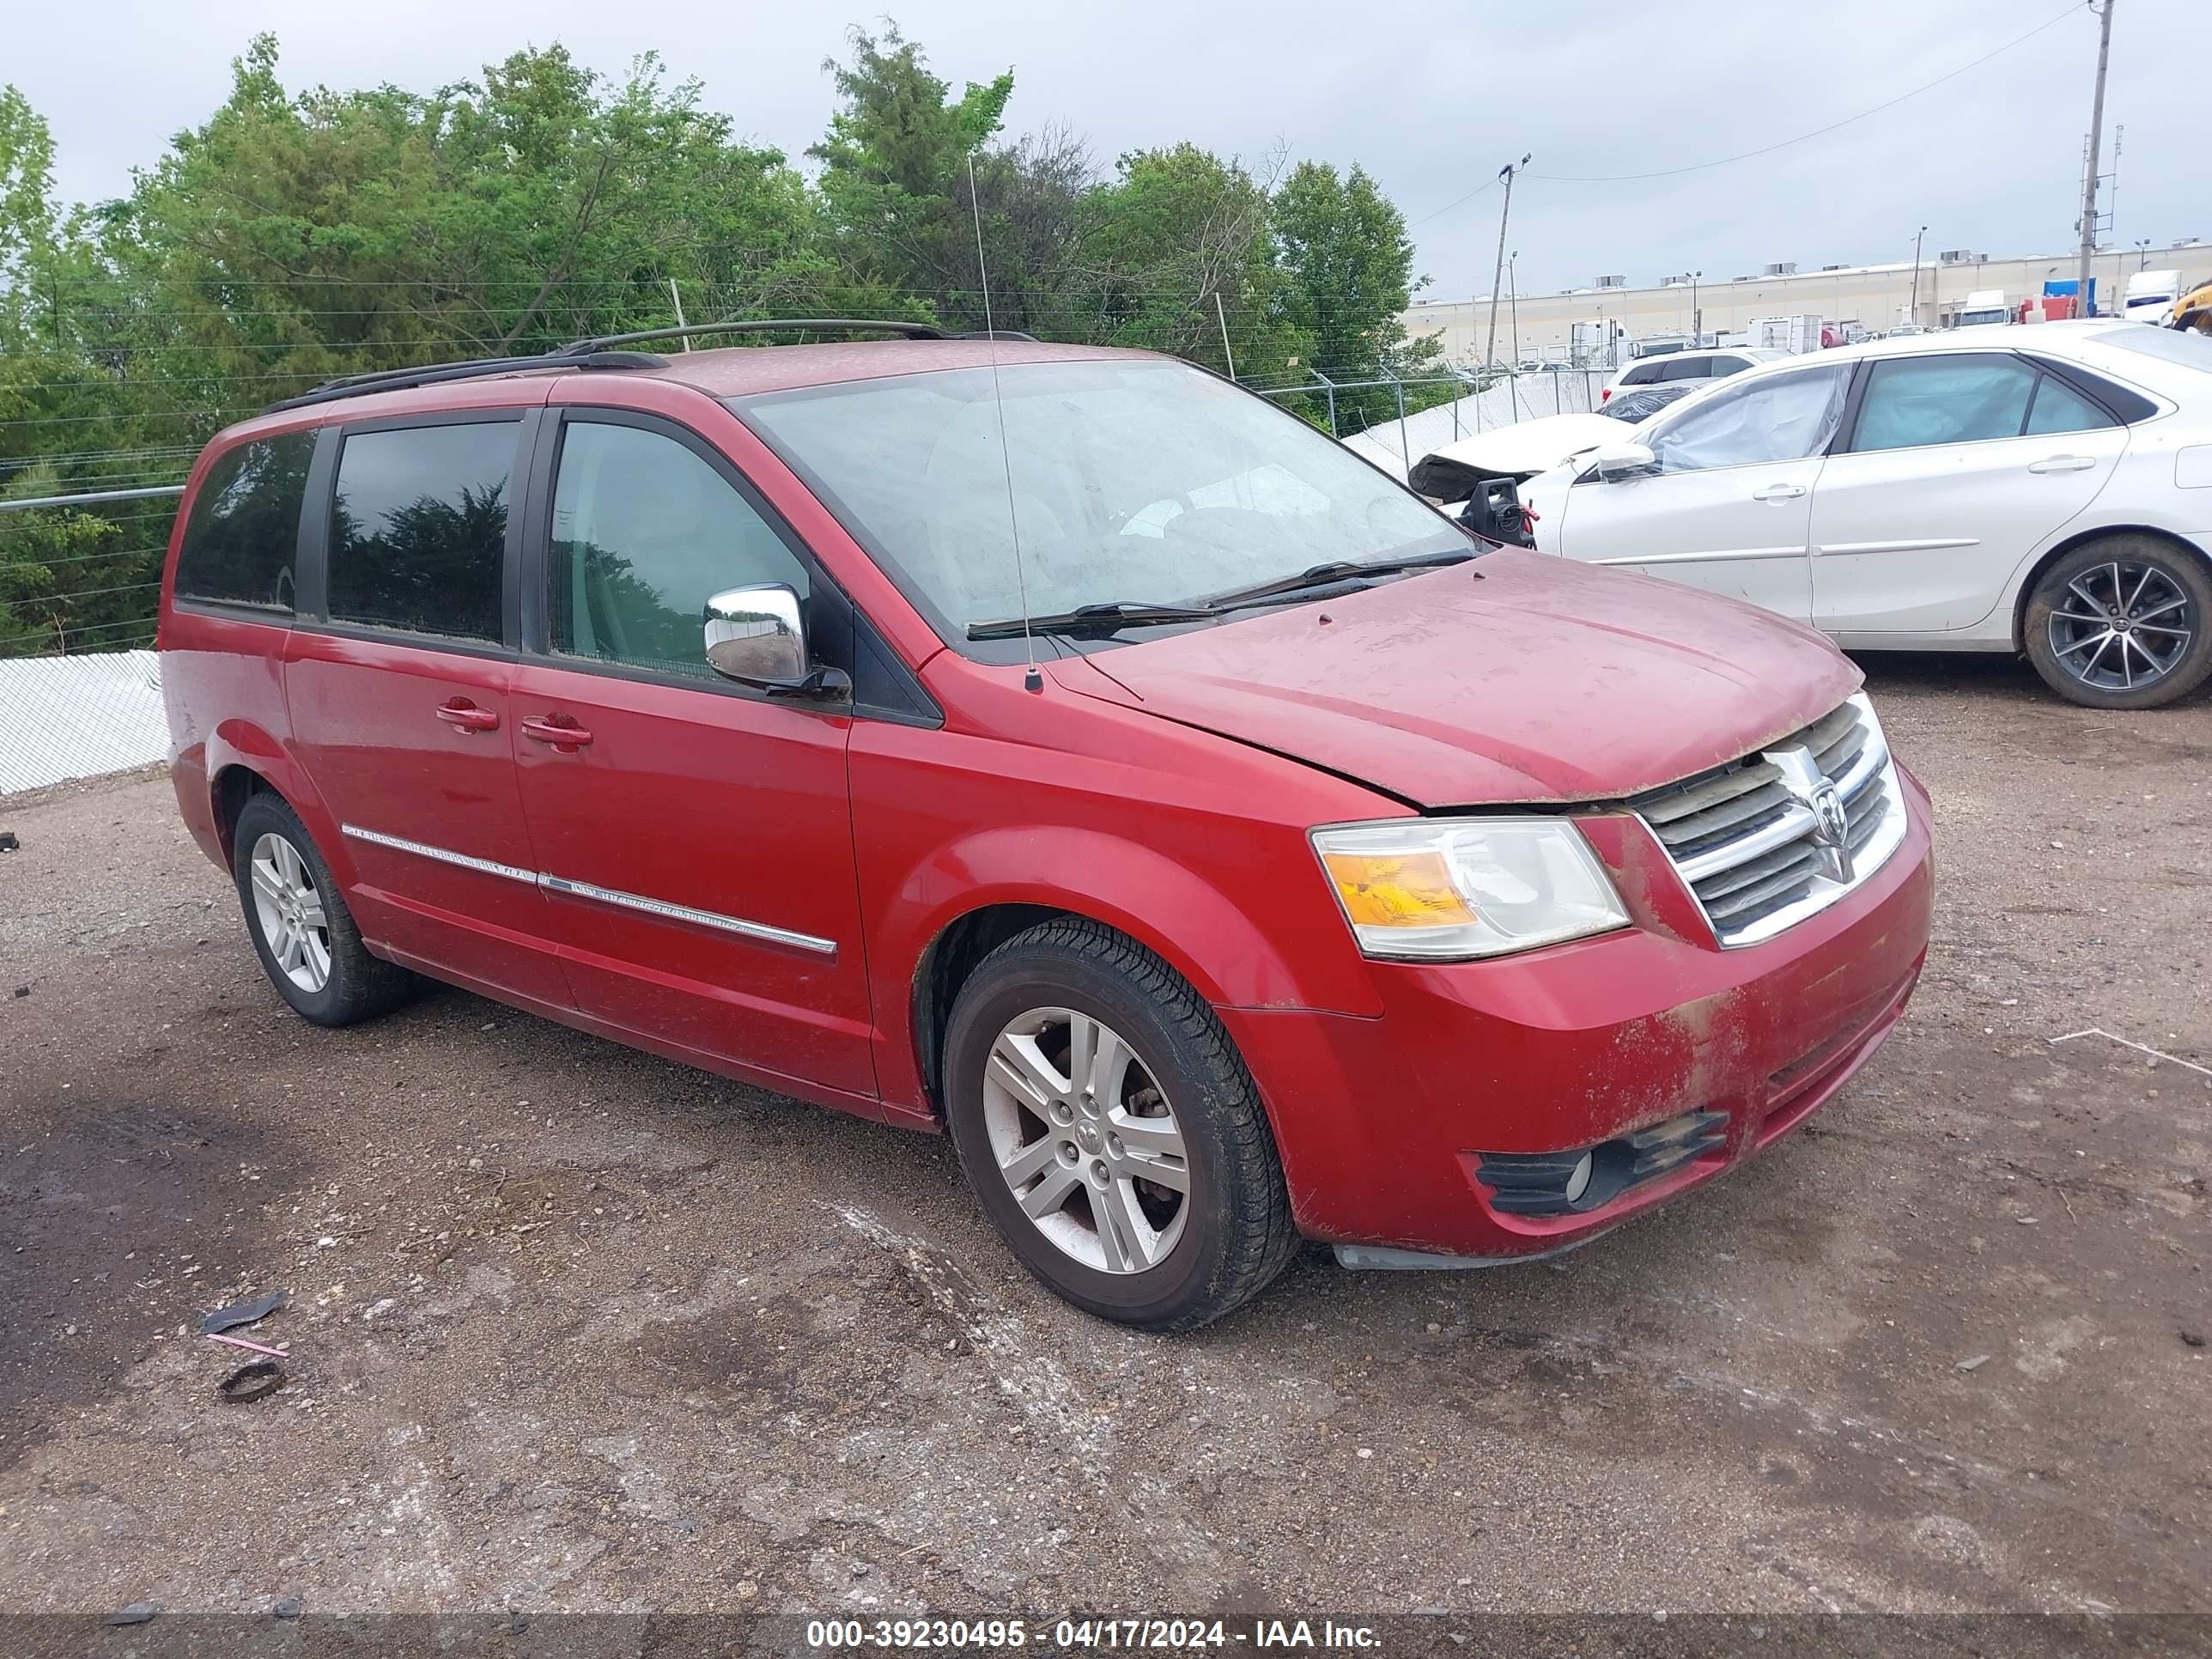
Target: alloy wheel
1085 1138
2122 625
290 911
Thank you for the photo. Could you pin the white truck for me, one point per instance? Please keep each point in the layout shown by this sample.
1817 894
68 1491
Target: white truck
1984 306
1600 343
2150 296
1795 335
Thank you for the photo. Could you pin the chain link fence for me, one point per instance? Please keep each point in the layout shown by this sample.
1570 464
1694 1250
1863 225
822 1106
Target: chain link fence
1473 405
84 532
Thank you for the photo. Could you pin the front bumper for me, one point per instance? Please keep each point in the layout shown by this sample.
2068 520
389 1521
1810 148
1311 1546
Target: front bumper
1382 1123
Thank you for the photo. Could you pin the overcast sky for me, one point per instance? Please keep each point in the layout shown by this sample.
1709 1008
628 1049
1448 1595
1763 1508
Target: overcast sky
1431 97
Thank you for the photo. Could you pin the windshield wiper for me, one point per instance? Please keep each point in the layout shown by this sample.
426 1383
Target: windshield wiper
1109 617
1329 574
1115 615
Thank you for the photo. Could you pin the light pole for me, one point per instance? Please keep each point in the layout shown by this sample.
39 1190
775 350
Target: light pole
2089 172
2142 252
1513 299
1912 312
1497 275
1697 313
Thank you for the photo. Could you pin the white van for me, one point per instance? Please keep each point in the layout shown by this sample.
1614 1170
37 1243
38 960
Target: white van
1690 365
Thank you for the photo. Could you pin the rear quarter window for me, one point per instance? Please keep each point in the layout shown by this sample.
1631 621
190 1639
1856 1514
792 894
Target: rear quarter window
1643 374
244 529
2127 405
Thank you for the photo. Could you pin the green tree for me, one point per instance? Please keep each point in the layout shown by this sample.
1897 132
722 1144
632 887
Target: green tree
893 169
1172 230
1346 266
290 237
67 577
297 234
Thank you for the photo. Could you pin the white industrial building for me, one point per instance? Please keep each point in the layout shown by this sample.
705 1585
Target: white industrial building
1597 324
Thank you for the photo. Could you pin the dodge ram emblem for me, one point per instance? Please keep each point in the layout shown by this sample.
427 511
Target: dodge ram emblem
1831 830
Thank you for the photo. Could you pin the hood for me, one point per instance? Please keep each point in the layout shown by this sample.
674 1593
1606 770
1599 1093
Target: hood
1515 452
1515 678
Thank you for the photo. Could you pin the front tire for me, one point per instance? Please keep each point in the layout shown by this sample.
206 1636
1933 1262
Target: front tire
2123 622
300 927
1110 1130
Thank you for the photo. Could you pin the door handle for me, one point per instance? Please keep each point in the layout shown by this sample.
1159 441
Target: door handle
547 728
2063 464
1782 492
465 717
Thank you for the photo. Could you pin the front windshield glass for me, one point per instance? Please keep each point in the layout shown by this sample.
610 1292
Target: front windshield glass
1135 482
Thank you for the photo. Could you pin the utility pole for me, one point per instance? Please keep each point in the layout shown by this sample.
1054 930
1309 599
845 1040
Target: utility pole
677 299
1497 276
1513 299
1912 311
2089 172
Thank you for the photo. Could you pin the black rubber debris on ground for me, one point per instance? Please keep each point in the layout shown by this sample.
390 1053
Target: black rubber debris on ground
251 1383
243 1313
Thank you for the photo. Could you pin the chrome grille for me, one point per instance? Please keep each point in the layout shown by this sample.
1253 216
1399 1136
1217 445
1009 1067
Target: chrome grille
1750 837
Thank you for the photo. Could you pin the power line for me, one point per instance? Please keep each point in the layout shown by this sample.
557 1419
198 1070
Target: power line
1491 184
1768 149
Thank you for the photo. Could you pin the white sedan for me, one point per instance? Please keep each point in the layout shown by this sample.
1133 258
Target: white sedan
2044 489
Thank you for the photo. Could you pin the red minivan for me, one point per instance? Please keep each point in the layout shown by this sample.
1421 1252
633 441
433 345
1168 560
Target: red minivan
1058 746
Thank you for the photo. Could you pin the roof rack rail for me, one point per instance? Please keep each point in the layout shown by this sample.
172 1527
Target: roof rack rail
767 326
600 352
398 380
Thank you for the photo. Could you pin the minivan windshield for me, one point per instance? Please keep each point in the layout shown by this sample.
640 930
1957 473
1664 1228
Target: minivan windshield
1134 482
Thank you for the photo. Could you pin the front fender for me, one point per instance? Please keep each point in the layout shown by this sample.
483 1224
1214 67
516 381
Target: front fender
1190 923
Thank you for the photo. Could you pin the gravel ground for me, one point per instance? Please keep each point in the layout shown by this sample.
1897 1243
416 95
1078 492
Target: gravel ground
575 1329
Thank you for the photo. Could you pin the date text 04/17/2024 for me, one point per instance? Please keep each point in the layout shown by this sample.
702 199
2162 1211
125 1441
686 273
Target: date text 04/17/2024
1088 1634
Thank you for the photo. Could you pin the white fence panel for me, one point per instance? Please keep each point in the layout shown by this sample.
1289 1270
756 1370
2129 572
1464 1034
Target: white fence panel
62 718
1393 446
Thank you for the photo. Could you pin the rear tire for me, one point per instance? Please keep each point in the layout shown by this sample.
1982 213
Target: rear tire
299 923
2123 622
1110 1130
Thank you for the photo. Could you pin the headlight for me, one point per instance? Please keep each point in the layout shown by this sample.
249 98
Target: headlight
1426 889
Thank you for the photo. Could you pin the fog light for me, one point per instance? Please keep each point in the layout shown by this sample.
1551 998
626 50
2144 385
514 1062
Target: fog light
1578 1179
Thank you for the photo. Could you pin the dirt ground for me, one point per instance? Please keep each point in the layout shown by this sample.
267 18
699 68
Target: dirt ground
575 1329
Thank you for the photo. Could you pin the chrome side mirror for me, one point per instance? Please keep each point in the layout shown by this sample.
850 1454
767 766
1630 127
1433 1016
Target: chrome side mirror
755 638
1617 461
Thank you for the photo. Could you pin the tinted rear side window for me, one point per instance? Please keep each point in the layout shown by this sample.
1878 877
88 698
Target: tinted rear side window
418 530
1643 374
245 524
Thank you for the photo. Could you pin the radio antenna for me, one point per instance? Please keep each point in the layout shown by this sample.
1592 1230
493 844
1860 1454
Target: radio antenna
1033 680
